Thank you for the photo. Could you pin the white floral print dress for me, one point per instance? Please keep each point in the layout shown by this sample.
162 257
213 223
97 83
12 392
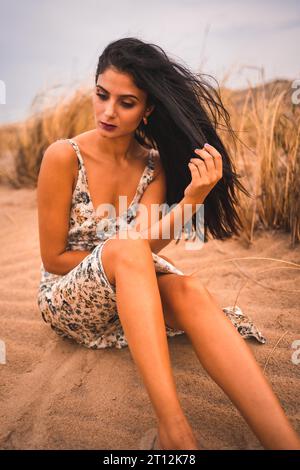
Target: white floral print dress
81 305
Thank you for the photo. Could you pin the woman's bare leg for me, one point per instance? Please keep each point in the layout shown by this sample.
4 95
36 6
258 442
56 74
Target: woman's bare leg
227 358
128 265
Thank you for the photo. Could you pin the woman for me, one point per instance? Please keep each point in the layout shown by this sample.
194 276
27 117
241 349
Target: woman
103 289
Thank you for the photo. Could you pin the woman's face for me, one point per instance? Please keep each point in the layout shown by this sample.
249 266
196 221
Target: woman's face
112 106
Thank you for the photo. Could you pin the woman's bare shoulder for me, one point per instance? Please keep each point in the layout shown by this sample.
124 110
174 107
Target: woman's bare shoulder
58 150
158 167
60 158
86 139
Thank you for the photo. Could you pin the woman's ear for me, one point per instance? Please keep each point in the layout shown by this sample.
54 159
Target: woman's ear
150 110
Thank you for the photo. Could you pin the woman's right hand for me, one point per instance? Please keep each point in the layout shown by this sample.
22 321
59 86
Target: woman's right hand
205 174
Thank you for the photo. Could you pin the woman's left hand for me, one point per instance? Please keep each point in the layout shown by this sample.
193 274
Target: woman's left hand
205 174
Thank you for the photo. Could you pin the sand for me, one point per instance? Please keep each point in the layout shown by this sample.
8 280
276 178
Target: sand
55 394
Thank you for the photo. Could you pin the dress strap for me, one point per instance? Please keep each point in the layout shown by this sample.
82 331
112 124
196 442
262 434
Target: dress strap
151 159
77 150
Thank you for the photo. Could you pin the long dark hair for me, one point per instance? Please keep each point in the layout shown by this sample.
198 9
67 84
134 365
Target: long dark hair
186 115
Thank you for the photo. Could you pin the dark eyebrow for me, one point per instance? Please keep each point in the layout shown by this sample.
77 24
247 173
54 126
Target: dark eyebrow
121 96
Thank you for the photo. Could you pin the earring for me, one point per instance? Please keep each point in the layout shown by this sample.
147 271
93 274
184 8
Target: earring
145 120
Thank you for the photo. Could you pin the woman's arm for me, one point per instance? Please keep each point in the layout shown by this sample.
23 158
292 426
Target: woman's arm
54 195
164 228
205 172
164 224
68 260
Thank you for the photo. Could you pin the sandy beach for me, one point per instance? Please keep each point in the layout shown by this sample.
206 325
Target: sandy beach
56 394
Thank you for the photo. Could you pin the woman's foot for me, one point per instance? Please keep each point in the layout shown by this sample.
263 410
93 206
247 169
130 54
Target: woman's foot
175 435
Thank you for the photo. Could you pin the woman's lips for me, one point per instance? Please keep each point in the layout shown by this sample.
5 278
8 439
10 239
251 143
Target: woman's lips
107 127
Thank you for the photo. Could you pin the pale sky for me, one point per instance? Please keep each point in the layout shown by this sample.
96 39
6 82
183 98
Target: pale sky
47 43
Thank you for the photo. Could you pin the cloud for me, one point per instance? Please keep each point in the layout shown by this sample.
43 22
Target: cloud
59 41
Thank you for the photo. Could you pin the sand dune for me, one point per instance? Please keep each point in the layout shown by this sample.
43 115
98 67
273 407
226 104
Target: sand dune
56 394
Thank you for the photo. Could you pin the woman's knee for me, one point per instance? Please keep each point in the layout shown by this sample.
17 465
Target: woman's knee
126 251
130 248
192 286
197 293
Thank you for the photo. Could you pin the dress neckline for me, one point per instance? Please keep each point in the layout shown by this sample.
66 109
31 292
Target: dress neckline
146 169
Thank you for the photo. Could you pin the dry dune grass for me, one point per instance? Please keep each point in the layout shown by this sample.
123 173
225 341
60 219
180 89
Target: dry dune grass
266 155
26 142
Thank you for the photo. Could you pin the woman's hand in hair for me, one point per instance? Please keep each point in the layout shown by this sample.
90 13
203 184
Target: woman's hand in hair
206 171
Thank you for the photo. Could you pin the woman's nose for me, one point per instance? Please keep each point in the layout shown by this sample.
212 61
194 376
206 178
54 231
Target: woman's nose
109 109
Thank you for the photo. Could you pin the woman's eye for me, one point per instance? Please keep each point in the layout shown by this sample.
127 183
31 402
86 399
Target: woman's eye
127 105
101 95
104 97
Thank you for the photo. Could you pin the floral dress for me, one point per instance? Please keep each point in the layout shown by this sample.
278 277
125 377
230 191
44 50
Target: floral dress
81 305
